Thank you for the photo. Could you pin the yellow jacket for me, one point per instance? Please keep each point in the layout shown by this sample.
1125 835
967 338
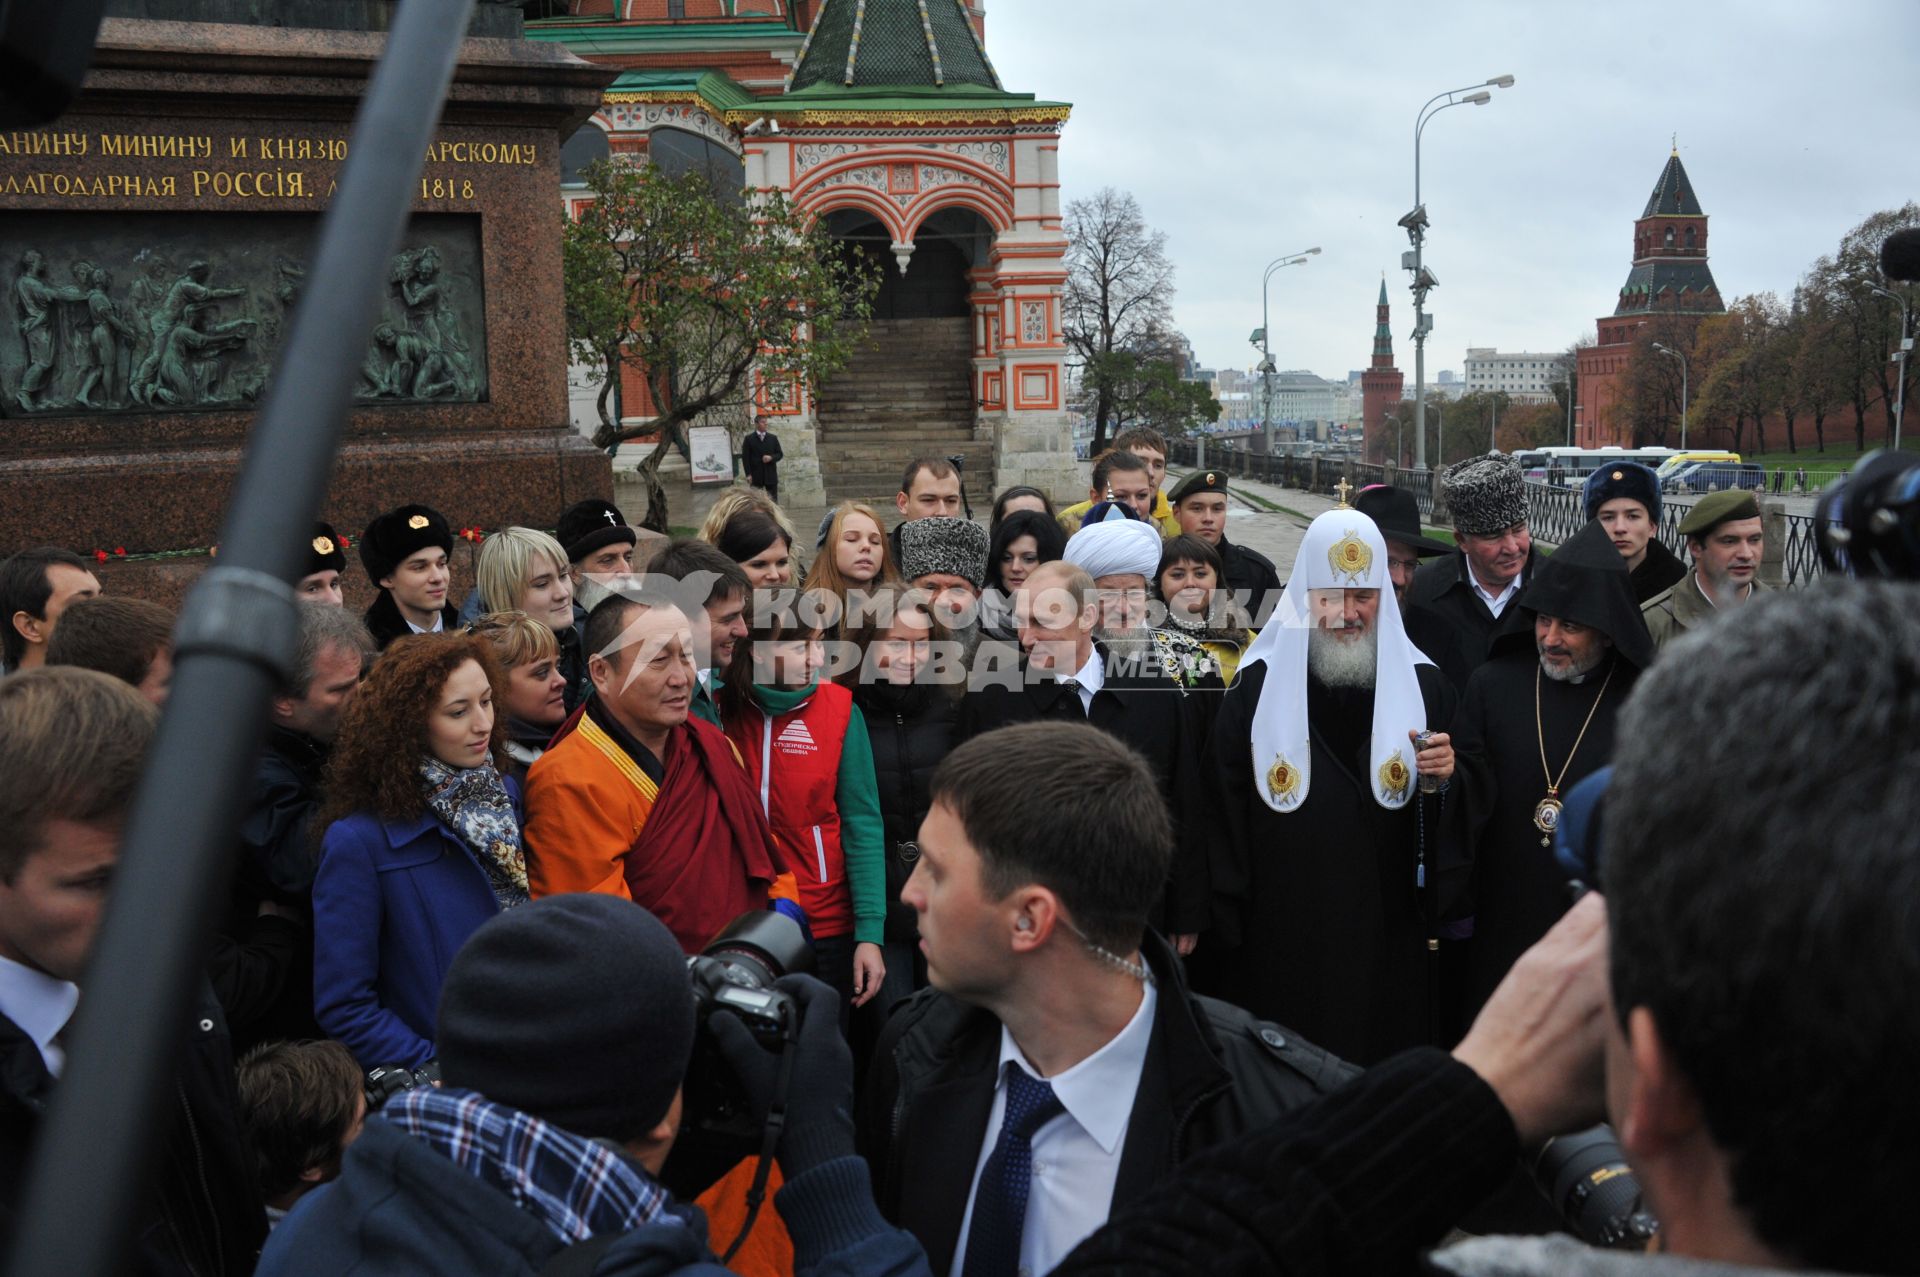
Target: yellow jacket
1162 514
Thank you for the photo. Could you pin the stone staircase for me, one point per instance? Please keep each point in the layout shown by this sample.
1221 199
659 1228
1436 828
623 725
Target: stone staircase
908 391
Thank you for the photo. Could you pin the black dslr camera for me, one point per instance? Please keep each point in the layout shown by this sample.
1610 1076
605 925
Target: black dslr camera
390 1080
1868 523
1586 1177
735 972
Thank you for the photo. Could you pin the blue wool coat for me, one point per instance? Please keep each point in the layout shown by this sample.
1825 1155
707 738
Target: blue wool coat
393 901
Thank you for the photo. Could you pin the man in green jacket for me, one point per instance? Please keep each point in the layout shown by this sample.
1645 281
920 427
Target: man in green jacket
1725 537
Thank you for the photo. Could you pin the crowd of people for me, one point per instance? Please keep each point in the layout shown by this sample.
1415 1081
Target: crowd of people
1162 915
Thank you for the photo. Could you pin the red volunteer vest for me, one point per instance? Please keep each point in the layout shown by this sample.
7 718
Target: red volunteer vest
793 762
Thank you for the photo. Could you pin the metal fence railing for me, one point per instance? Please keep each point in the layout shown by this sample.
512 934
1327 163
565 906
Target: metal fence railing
1556 513
1306 474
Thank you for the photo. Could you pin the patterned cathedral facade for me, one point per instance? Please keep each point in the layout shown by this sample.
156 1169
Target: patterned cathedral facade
887 119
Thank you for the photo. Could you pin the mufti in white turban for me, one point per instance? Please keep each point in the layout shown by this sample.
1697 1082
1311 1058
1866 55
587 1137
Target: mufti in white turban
1116 546
1342 550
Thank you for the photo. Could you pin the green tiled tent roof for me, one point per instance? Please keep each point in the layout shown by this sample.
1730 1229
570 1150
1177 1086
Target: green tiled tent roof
1673 194
893 43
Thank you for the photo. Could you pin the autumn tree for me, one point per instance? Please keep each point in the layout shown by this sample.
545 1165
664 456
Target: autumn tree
1119 295
1653 387
697 292
1149 391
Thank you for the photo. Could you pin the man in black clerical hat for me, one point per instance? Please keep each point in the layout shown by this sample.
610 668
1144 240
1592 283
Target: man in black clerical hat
1395 512
405 552
1538 716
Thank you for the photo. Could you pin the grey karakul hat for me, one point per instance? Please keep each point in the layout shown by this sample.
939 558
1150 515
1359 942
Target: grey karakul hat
956 547
1486 494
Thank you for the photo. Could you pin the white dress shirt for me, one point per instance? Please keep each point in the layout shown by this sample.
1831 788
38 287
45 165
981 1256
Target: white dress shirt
1091 677
439 623
40 1005
1496 603
1076 1156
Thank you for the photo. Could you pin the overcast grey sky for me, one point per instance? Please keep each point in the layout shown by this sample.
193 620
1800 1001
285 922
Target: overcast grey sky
1252 128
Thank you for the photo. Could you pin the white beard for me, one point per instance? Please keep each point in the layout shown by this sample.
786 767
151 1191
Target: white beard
1337 662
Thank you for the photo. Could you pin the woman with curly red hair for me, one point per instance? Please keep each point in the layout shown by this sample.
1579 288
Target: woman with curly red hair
422 843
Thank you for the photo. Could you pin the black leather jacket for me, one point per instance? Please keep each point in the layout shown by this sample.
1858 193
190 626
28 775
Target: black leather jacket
1213 1072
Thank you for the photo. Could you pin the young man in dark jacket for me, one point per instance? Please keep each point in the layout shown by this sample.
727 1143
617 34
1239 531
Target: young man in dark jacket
564 1033
405 552
1058 1068
72 745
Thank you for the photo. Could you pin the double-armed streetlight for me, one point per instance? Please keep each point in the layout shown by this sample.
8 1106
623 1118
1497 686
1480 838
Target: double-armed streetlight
1266 344
1416 226
1681 356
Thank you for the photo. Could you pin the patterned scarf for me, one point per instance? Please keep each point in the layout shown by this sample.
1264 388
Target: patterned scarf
475 804
574 1186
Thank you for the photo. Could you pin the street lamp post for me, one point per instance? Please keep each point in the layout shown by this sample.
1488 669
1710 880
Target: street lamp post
1904 349
1386 417
1681 356
1416 224
1570 371
1266 343
1440 444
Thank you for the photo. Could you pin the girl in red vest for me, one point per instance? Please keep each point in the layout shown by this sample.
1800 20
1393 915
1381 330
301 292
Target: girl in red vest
806 751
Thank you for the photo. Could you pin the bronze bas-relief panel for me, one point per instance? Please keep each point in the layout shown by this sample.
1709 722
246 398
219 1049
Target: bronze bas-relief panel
167 312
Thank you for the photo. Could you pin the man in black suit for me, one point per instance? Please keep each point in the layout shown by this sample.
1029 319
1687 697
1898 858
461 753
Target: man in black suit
1059 1068
1073 671
760 457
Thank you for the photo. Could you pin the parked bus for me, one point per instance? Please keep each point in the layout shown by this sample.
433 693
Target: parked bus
1575 464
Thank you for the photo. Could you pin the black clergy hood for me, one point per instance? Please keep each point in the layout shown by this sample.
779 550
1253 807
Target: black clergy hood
1585 581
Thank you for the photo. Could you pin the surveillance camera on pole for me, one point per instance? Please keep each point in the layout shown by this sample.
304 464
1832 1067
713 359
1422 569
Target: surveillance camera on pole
1424 279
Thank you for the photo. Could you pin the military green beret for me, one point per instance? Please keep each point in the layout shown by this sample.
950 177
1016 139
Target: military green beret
1198 481
1710 511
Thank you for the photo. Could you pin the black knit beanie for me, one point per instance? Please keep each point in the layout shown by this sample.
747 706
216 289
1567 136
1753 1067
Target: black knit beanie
574 1008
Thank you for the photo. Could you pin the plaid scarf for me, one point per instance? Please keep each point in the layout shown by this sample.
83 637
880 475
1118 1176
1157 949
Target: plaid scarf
574 1186
475 804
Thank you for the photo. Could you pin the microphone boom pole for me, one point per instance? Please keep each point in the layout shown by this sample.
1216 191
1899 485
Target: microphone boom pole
233 647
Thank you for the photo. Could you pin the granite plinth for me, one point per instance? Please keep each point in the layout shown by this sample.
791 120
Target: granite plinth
228 123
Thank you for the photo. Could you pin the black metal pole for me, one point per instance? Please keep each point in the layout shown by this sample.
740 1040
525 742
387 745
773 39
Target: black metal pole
235 642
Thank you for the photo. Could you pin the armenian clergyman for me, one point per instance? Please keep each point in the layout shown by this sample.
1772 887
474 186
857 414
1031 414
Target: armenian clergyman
1535 720
1320 866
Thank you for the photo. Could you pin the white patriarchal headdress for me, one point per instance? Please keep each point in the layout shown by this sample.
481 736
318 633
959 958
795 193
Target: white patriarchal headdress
1343 550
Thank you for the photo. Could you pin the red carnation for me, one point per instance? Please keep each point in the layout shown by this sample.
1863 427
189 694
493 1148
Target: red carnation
100 555
119 551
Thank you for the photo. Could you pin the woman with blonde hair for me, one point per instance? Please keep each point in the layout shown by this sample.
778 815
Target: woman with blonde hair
535 698
738 500
855 563
525 570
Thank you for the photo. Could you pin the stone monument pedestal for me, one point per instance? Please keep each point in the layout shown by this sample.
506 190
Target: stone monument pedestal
154 242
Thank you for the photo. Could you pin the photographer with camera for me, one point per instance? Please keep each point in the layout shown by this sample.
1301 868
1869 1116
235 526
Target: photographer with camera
565 1031
1743 1001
